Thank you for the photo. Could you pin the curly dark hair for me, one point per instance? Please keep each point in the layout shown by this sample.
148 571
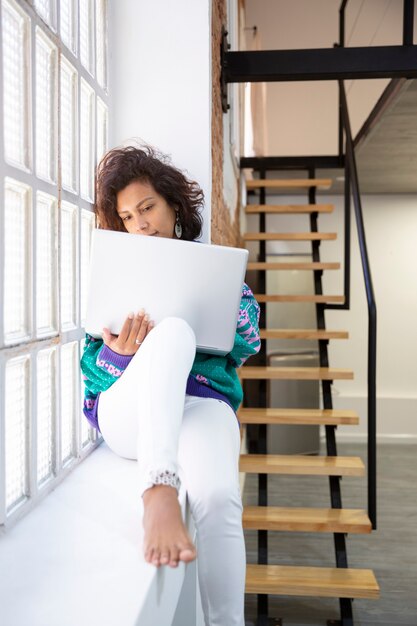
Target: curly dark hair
121 166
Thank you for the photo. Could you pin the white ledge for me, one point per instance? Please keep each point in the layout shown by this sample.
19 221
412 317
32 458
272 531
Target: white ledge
76 559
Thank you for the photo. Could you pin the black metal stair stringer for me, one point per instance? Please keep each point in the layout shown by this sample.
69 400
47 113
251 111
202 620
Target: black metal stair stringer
331 446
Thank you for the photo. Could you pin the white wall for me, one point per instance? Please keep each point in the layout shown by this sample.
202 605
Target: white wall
391 230
160 82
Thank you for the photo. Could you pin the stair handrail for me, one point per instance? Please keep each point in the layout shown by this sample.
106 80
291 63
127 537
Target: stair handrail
351 177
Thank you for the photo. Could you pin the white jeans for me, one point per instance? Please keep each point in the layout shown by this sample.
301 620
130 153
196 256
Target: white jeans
146 415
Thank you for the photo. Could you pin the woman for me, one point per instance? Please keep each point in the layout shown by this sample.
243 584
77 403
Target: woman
154 399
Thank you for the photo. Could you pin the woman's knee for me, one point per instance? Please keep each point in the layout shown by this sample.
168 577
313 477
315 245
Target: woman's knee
176 326
177 323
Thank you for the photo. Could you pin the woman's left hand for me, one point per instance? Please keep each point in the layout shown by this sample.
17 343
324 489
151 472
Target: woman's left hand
132 334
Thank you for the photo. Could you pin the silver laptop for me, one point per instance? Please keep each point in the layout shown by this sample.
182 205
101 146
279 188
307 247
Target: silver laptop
199 282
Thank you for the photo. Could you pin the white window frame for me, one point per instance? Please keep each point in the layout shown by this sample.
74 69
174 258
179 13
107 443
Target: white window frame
84 438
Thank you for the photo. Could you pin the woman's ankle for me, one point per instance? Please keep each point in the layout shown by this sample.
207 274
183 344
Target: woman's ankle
158 491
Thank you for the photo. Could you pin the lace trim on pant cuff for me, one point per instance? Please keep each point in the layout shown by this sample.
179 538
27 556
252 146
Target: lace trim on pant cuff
165 477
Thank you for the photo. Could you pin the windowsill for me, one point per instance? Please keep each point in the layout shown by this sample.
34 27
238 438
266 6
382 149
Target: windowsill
76 559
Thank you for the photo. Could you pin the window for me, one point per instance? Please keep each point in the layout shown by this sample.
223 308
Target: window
54 129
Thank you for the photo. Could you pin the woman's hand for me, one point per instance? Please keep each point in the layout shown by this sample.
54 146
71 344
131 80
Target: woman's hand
136 327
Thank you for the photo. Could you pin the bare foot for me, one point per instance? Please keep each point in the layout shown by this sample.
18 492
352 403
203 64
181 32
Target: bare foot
166 539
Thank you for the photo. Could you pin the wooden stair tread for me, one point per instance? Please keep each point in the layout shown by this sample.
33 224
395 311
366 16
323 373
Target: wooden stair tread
331 417
289 208
293 519
263 297
302 333
257 372
294 183
323 582
290 236
301 465
258 265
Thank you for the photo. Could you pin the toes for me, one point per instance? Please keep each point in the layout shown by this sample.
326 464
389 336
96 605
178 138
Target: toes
165 557
187 554
152 555
148 553
175 557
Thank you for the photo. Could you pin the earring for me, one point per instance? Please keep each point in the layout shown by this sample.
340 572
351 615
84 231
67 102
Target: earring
178 227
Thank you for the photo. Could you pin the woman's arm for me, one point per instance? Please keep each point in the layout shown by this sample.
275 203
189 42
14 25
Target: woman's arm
247 340
100 366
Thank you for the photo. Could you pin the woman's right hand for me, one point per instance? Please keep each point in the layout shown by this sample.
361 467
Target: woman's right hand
136 327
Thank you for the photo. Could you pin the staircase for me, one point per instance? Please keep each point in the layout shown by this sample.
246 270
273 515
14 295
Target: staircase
263 579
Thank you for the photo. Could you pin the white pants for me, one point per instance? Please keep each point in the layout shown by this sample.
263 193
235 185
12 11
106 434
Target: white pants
146 415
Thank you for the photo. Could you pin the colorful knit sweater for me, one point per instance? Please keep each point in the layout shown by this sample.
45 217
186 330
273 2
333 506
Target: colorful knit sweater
210 376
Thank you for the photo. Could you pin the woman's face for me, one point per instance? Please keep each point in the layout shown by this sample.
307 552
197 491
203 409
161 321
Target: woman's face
144 212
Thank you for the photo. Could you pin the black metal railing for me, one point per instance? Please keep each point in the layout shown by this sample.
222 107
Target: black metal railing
352 190
352 182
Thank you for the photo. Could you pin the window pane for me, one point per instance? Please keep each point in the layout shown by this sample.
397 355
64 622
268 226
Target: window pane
101 129
47 10
46 56
87 225
86 141
17 245
16 430
16 41
69 367
46 263
68 124
67 24
86 34
45 413
101 36
68 265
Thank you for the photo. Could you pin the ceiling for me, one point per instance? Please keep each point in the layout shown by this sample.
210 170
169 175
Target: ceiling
387 155
386 146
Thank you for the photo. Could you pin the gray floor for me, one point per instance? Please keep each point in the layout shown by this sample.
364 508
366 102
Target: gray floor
391 550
